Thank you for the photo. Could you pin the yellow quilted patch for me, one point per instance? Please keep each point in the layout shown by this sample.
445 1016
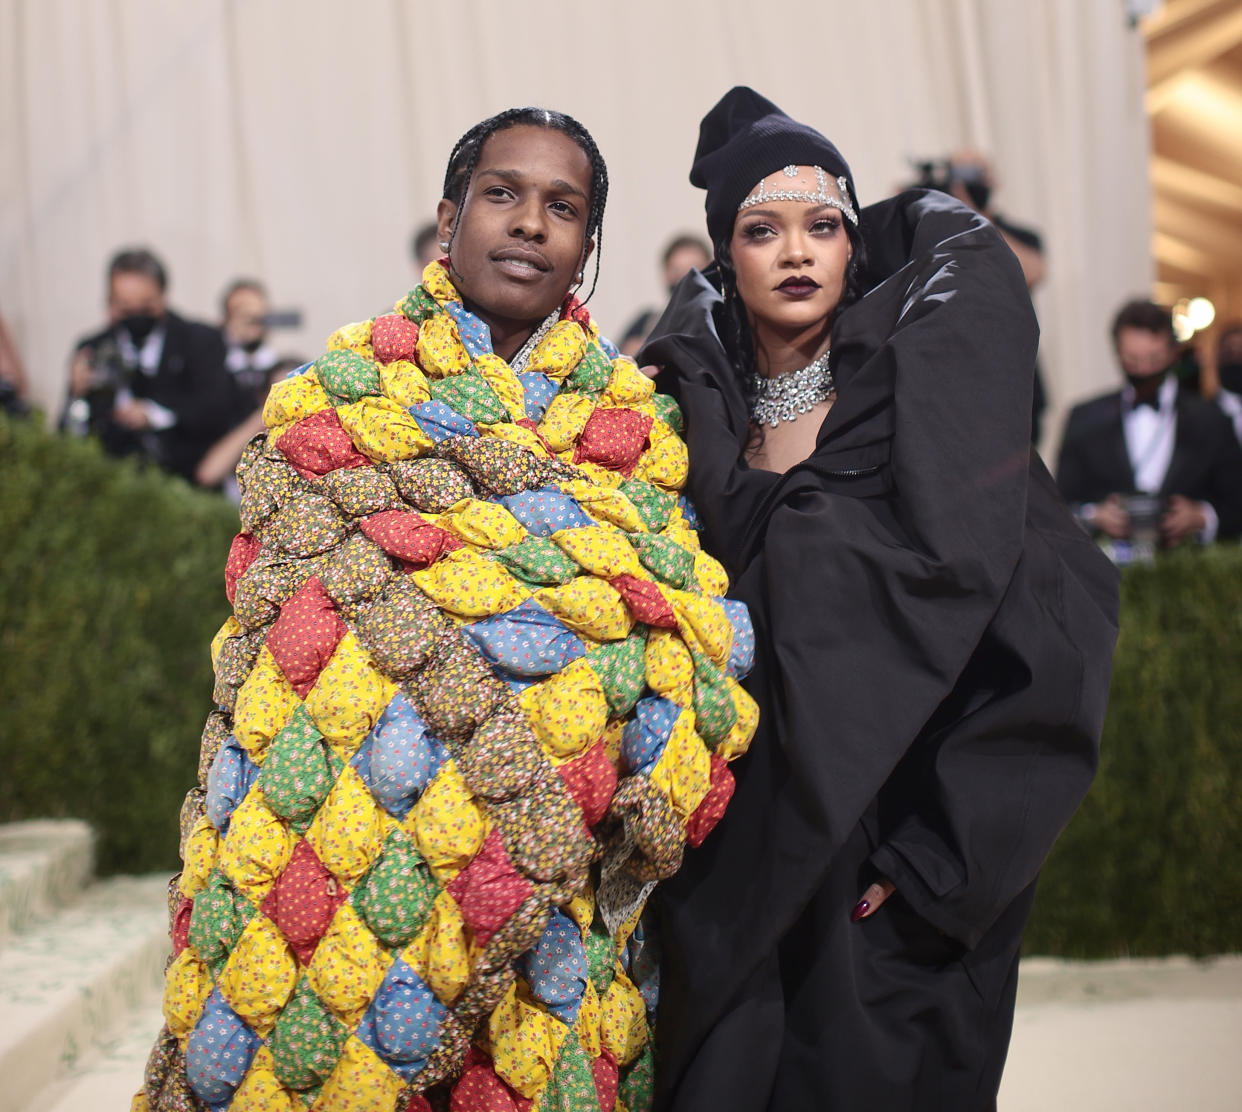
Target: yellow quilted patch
469 585
402 381
440 350
669 666
347 833
294 398
361 1082
684 771
679 529
260 1091
256 848
627 385
354 337
383 430
710 575
590 607
559 351
440 954
447 824
600 551
738 738
587 1025
231 628
623 1020
567 711
525 1041
259 977
264 703
516 434
349 696
187 984
500 377
201 849
703 623
565 419
482 524
665 463
348 966
606 505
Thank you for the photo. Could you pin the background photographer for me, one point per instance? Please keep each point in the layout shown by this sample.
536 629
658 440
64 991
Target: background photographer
152 383
1151 438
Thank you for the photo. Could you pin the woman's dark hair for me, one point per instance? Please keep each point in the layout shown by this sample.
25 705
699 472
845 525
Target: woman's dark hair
736 331
465 157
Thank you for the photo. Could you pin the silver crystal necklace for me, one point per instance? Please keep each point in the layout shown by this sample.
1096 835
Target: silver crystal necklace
785 397
518 363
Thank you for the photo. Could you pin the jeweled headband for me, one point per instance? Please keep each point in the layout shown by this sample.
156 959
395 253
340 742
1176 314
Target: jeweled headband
821 195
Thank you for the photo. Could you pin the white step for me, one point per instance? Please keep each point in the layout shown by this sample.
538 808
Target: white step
110 1076
67 979
44 864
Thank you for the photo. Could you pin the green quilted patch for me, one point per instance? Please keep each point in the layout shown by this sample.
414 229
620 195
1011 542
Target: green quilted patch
469 394
538 561
592 373
297 774
395 897
665 559
347 376
714 711
654 505
220 915
306 1041
621 668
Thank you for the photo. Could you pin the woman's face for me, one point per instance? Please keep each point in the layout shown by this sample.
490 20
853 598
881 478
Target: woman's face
521 232
790 257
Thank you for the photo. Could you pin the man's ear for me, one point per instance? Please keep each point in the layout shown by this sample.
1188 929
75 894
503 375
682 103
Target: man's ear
446 219
587 252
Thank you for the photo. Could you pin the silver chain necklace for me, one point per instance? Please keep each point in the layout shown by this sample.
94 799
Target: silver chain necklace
518 363
785 397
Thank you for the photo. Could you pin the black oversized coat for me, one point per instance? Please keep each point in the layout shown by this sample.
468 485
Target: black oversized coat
935 637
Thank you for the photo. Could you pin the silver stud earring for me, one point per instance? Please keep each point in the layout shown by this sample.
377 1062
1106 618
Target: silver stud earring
444 245
578 277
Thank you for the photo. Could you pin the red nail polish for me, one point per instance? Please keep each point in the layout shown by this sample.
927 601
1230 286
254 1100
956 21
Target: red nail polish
860 909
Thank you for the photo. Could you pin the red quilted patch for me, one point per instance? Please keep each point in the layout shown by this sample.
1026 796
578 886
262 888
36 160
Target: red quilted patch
646 601
181 925
480 1090
527 423
318 444
303 901
614 438
409 536
489 889
607 1081
393 337
712 809
591 780
574 310
305 635
418 1103
242 552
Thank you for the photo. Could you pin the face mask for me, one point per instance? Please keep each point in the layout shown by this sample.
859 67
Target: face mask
1145 384
251 346
139 326
1231 376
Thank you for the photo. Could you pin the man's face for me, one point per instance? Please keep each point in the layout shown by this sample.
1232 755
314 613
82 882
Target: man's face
243 316
521 236
681 262
1144 354
134 295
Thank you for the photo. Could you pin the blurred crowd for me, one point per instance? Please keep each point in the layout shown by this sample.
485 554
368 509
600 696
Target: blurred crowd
1154 463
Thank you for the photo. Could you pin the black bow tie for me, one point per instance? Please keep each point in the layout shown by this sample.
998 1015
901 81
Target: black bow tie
1154 402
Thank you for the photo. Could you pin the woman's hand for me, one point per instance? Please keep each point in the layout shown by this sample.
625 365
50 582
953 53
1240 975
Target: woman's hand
871 900
651 370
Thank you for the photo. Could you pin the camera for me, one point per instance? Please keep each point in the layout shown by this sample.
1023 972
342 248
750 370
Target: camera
942 174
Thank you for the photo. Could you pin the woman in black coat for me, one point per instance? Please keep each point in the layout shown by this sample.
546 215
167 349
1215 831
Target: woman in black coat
934 632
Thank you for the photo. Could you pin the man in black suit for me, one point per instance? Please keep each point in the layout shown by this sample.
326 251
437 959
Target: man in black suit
151 383
1151 438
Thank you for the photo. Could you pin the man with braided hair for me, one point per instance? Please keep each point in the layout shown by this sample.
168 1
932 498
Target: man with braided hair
478 692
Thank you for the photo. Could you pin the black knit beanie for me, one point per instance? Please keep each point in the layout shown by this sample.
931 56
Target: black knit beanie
742 140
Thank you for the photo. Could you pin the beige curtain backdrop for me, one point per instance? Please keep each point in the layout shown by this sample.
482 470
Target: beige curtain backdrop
301 142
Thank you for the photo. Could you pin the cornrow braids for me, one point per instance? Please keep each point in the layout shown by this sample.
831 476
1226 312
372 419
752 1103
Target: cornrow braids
465 157
738 341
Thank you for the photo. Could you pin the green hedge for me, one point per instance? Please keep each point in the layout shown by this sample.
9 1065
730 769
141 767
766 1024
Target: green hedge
1152 863
111 587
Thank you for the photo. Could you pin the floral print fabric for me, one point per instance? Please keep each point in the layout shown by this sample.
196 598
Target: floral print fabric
478 693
